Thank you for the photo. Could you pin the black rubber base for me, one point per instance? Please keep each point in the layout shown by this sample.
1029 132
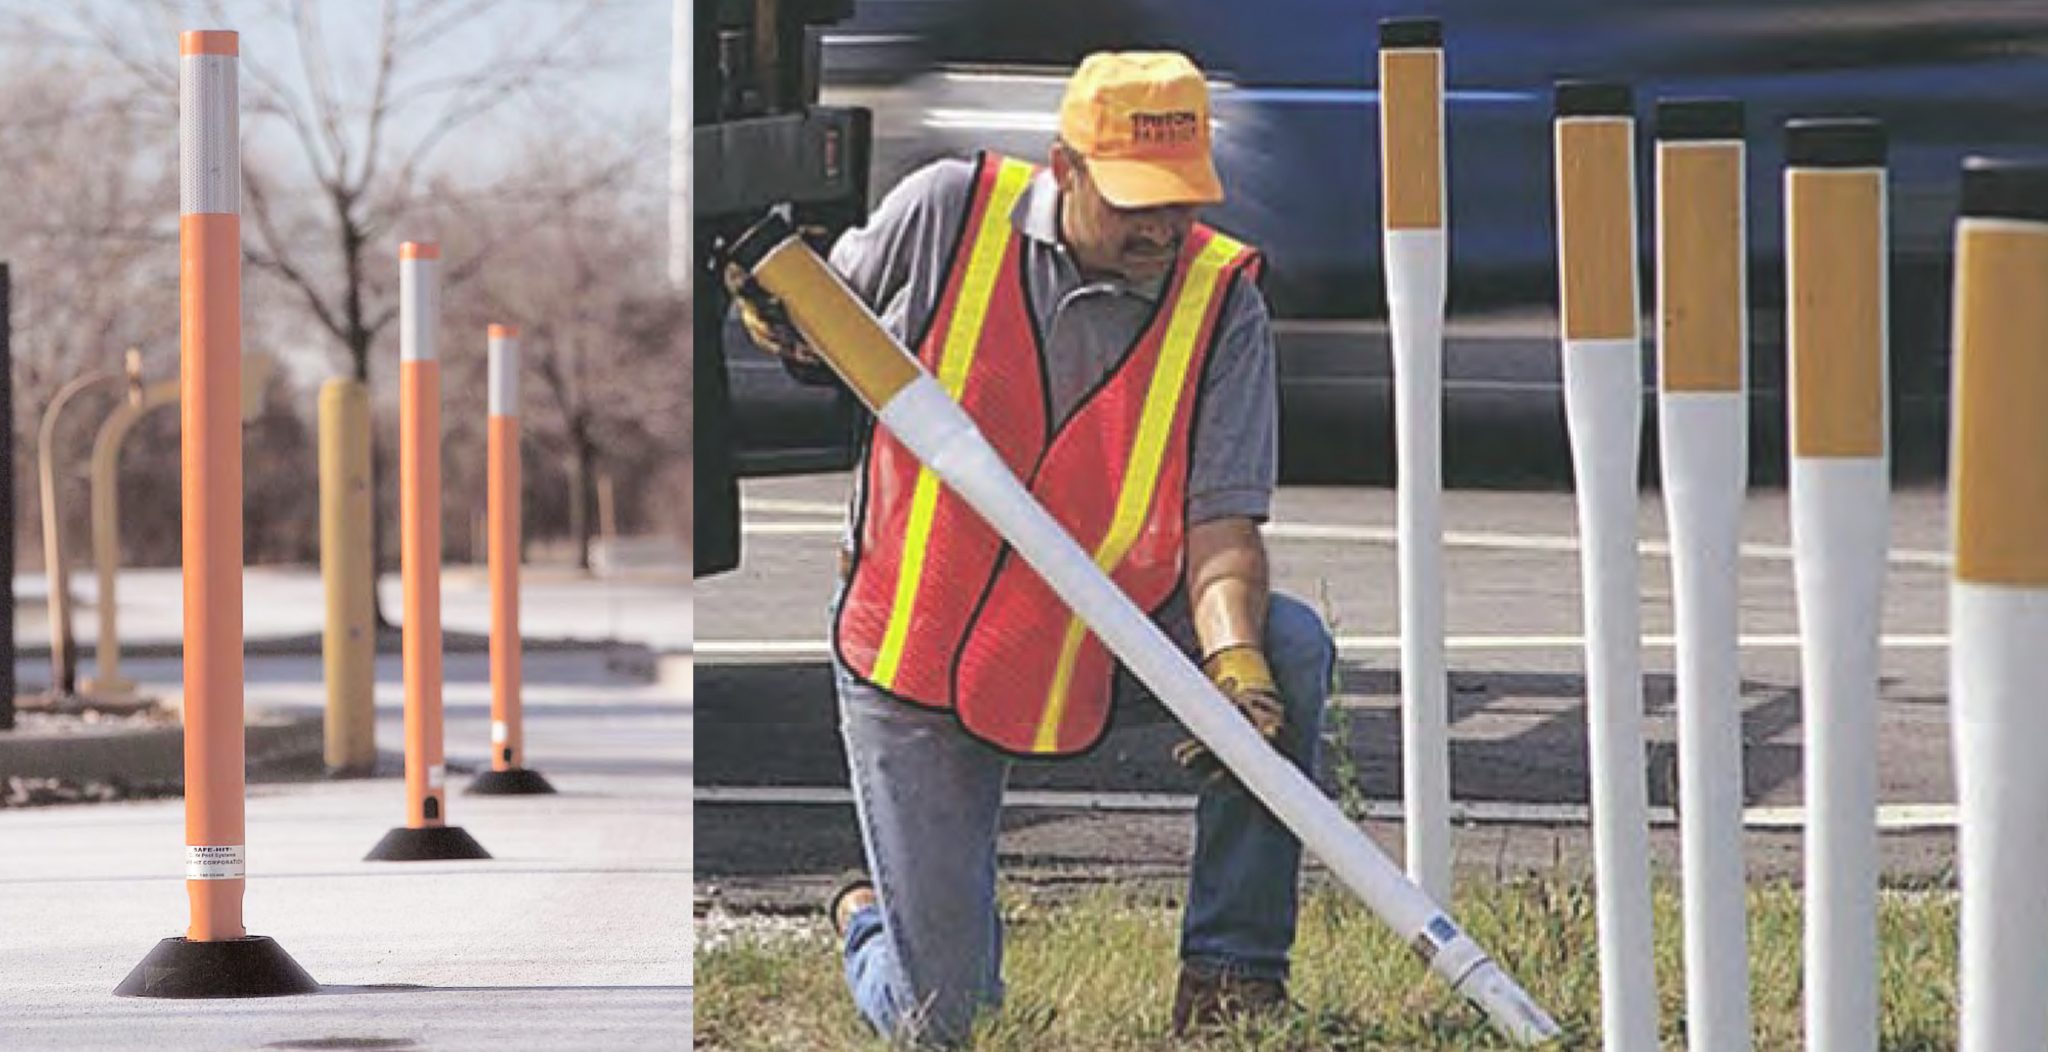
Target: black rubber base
518 781
513 782
254 966
431 844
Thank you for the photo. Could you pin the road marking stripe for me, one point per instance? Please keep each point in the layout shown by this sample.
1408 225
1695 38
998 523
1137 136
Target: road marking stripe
1377 535
1891 818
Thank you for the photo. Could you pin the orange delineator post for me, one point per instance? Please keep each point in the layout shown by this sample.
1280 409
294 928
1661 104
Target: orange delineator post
508 739
426 833
419 517
508 775
210 378
217 958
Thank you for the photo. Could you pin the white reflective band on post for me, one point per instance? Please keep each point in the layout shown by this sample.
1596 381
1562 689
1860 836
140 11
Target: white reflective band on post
215 861
418 296
437 776
504 375
209 136
500 733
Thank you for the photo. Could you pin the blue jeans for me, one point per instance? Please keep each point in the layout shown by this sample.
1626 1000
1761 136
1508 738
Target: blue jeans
926 960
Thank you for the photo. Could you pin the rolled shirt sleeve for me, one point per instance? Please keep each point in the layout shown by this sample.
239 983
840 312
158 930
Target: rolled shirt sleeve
1234 463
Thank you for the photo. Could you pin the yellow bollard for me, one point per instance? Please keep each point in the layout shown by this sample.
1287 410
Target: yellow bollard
350 641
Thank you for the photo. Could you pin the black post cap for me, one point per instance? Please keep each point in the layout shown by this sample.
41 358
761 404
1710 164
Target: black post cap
1699 120
1834 142
1595 98
2005 188
1411 33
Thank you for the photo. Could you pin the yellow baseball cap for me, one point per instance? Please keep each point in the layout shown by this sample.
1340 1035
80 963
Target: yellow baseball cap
1141 118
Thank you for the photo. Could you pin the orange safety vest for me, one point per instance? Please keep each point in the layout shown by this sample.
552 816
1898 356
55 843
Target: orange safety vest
937 610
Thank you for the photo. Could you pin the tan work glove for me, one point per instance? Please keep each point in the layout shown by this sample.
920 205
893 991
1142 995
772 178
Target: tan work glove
766 319
1241 672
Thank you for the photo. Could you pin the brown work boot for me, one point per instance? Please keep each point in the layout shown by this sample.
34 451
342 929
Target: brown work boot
1207 1000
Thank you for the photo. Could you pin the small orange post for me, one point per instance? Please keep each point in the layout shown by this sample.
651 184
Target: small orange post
508 775
426 833
217 957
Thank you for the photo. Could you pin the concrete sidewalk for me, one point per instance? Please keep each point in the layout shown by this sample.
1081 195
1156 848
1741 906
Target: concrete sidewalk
575 936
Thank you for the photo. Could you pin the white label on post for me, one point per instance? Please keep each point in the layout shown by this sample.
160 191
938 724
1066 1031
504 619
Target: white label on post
215 861
500 734
437 776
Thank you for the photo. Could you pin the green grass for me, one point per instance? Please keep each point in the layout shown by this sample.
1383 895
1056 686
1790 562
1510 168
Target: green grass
1097 974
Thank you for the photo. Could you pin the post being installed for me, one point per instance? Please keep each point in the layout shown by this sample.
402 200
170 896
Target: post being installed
217 958
426 833
915 407
508 775
1998 600
1835 330
1703 423
349 639
1412 196
1602 320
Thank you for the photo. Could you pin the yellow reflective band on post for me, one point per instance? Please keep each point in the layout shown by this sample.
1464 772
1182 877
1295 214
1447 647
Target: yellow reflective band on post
1141 473
956 356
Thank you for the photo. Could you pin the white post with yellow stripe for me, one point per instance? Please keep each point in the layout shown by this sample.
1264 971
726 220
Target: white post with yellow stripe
1703 432
1835 294
1596 208
1998 601
917 409
956 360
1412 199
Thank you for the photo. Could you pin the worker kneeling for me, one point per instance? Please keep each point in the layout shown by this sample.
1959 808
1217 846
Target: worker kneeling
1118 356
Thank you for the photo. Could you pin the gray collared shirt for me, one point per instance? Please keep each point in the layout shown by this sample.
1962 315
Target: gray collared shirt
897 263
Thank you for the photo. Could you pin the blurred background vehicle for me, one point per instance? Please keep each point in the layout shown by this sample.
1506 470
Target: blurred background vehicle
1297 142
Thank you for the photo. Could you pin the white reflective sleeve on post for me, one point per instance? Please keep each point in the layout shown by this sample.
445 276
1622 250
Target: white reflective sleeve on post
419 308
209 136
215 861
504 378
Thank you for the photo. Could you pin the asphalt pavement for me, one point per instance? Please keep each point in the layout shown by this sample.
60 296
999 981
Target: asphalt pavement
773 825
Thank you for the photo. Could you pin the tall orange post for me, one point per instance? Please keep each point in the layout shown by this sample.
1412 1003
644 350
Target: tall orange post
508 775
217 957
426 833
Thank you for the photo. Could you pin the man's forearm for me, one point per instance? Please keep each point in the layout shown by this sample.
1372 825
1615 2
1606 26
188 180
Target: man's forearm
1227 584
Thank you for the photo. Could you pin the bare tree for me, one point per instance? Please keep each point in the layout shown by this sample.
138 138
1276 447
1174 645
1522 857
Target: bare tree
605 385
93 251
361 158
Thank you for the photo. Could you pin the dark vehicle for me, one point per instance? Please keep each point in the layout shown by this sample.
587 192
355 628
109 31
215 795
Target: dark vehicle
1297 143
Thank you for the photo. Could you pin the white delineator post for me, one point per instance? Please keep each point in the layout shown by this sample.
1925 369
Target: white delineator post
1998 601
1412 182
1835 294
1601 318
1703 429
915 407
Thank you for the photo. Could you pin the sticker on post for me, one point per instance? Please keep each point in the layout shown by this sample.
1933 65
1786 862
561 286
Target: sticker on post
215 861
500 733
1433 937
437 776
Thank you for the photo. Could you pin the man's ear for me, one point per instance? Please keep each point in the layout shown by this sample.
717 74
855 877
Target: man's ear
1062 167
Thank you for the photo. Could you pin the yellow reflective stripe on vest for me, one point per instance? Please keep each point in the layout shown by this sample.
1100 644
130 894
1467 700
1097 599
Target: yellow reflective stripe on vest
1141 473
956 356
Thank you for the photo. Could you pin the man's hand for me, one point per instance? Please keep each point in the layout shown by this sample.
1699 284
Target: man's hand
766 320
1242 674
